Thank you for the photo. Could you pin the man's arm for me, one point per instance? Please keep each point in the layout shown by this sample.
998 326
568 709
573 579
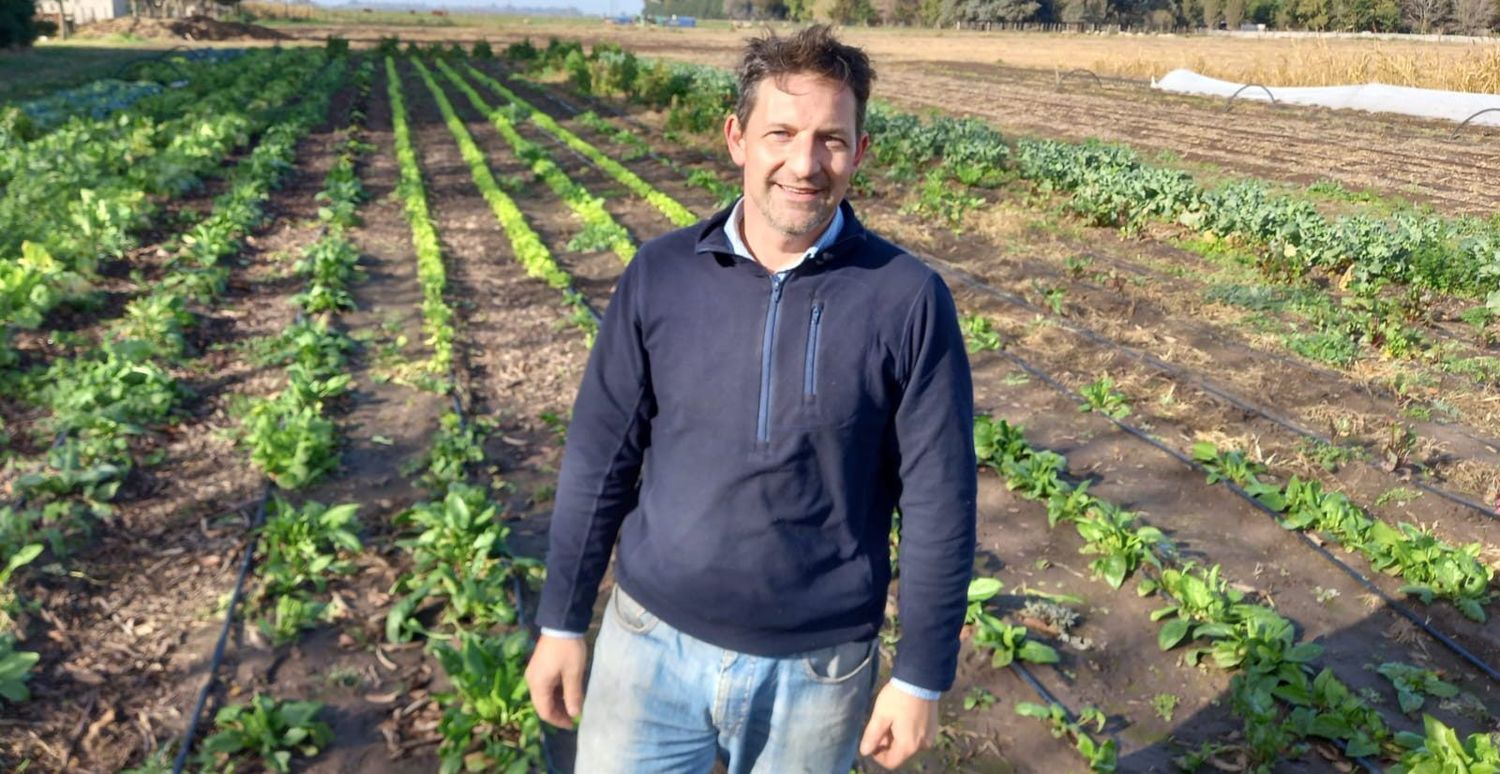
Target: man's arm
935 460
596 489
934 430
606 443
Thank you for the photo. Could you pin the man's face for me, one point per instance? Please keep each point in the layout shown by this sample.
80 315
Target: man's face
799 149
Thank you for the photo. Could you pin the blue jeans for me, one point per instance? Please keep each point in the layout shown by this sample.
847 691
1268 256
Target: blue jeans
659 701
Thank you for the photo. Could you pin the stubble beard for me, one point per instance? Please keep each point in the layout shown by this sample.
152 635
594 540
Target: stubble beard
793 221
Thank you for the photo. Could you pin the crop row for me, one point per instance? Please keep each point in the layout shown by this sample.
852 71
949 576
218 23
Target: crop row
301 547
600 230
1430 566
92 107
675 212
290 436
1280 696
462 576
80 194
99 402
723 193
437 316
530 251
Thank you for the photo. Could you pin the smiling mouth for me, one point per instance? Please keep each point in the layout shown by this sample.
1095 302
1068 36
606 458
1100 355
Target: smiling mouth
799 192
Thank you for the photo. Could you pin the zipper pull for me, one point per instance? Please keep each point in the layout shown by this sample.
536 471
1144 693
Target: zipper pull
817 312
776 281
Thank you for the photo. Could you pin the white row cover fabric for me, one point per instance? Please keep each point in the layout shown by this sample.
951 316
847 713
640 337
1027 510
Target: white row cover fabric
1452 106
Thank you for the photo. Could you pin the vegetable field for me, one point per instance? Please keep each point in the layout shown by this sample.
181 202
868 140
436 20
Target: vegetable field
288 346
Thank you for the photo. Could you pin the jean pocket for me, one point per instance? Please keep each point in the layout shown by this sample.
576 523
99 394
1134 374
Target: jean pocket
839 663
631 615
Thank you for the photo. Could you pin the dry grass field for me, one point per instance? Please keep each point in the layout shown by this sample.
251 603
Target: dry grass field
1287 62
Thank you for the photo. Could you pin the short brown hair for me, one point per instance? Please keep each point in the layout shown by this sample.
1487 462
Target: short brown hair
812 50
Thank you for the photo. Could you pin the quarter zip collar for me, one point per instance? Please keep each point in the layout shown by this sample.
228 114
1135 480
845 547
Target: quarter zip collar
713 238
736 220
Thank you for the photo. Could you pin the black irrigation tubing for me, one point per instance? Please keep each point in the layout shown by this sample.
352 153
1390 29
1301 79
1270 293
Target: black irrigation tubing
1182 375
1041 690
1403 610
220 646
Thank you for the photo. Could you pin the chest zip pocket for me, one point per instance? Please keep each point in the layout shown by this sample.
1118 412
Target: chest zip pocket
810 366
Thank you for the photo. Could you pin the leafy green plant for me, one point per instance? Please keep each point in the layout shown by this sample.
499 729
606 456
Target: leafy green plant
979 698
939 199
1165 705
1102 757
15 670
301 546
460 556
1414 684
456 446
267 730
290 615
1102 397
488 720
979 332
1006 642
1440 750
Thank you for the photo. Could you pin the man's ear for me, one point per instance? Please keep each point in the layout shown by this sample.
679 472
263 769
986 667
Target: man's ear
860 148
734 139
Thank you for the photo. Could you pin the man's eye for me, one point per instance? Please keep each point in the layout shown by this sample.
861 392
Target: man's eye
779 133
836 143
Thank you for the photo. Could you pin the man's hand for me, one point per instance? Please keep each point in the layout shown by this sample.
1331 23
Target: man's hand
555 677
900 725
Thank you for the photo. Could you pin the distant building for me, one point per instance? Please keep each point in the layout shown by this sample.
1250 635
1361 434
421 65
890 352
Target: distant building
85 11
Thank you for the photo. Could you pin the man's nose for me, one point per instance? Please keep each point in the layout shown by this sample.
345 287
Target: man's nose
803 160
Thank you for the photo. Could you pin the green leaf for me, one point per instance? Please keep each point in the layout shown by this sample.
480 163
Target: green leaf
1172 633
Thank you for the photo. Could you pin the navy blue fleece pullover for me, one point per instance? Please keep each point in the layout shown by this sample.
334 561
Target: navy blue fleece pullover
746 438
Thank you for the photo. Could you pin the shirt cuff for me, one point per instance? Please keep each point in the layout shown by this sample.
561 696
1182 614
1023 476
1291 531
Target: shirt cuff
920 693
561 634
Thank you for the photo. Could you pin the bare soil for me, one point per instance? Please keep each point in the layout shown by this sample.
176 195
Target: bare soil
187 28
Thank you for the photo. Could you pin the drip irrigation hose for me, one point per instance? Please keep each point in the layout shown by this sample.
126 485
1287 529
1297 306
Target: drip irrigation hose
220 646
1181 375
1403 610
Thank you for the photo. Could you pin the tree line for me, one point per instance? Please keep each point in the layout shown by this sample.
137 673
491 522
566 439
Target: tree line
1468 17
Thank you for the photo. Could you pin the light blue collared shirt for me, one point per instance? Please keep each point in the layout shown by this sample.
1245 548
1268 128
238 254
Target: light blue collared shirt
737 243
737 217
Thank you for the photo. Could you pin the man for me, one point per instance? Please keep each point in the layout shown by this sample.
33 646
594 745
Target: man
767 387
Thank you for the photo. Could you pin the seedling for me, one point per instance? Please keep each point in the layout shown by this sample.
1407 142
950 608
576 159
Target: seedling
980 333
1100 396
1101 756
266 730
1165 705
1414 684
980 698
